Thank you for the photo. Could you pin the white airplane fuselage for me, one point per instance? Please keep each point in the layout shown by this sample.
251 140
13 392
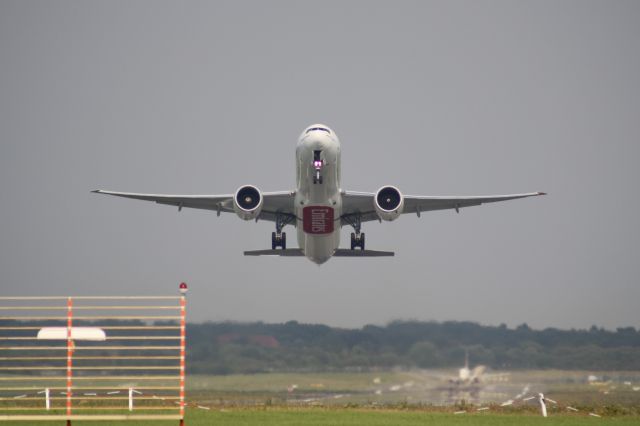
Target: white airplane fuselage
318 200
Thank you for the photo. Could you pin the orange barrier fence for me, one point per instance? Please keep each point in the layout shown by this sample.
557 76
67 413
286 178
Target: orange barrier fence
127 365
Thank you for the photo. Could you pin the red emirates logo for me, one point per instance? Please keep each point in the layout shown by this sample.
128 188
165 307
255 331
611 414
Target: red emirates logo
317 220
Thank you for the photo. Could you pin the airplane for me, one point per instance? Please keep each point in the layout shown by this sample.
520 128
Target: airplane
318 207
466 376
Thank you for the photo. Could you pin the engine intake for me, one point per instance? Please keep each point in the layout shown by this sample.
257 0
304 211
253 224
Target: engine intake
247 202
389 203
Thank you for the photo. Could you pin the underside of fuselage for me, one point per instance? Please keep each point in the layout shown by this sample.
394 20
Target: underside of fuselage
318 200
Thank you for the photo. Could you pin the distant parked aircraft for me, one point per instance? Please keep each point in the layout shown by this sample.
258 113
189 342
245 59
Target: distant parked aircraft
319 207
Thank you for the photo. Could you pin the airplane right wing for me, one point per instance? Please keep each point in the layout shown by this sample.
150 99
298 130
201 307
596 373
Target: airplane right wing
361 204
417 204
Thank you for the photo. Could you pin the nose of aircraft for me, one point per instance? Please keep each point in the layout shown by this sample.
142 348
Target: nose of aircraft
317 131
318 127
318 136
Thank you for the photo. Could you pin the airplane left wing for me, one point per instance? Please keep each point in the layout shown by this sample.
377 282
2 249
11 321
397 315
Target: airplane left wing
275 203
362 203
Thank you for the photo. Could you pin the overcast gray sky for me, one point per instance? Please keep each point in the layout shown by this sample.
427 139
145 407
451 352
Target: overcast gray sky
437 98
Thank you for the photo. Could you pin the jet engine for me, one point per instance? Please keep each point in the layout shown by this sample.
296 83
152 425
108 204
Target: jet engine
389 203
247 202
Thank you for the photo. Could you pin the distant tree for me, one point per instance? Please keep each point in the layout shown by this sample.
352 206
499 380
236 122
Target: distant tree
425 355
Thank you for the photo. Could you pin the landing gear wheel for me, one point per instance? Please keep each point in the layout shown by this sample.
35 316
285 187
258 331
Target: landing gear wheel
278 240
357 240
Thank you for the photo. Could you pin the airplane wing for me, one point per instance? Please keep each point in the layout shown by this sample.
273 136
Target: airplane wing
274 202
362 203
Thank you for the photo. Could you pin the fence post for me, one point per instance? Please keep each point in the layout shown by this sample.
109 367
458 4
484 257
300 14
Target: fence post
183 303
69 357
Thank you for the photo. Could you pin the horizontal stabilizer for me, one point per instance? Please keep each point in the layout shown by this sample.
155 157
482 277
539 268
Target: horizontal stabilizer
296 252
362 253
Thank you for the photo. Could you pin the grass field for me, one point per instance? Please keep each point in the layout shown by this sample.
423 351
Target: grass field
352 417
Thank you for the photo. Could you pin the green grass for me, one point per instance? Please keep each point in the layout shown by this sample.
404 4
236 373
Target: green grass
310 417
349 417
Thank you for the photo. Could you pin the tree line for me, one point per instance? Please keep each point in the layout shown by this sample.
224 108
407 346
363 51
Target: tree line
229 347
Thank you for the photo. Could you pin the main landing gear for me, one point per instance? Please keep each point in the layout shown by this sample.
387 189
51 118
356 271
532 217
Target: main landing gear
279 238
357 238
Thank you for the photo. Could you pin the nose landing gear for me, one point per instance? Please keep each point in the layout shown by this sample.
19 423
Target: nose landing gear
317 177
317 165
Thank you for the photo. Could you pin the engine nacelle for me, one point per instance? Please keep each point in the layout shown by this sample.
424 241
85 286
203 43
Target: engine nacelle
247 202
389 203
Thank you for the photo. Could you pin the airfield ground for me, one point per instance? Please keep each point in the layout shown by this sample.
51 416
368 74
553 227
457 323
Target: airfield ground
353 417
416 387
401 398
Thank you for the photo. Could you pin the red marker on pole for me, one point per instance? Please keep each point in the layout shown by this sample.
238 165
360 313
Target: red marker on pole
183 289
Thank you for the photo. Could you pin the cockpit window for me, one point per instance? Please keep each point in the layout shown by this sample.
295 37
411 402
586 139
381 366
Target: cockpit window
318 128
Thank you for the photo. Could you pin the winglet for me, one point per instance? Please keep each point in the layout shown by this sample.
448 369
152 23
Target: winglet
542 193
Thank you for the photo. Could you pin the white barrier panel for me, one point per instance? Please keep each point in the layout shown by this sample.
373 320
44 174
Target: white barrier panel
77 333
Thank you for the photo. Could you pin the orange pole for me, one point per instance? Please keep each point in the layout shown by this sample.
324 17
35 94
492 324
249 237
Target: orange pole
69 356
183 303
